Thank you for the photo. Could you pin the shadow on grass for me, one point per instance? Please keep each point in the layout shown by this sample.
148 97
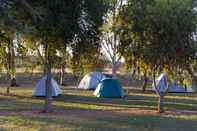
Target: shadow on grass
131 101
134 101
105 123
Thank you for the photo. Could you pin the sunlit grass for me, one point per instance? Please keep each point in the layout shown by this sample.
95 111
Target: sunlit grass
75 111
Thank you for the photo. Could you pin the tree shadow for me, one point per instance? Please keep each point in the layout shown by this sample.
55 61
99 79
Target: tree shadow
113 122
129 102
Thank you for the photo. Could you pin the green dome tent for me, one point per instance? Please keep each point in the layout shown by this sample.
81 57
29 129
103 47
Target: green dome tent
109 88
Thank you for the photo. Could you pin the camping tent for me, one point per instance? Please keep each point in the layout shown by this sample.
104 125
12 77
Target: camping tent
161 83
109 88
91 81
40 88
175 88
194 85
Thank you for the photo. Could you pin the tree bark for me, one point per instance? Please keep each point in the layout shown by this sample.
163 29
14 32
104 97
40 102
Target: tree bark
48 88
11 63
160 104
114 70
145 82
160 108
48 99
11 66
133 73
62 72
138 73
8 79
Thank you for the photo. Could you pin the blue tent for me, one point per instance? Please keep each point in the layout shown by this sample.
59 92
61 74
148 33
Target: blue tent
175 88
109 88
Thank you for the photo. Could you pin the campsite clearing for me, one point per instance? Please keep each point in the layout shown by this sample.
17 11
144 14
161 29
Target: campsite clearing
81 110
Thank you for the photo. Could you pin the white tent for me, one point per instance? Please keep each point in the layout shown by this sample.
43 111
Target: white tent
40 88
91 81
194 85
161 82
175 88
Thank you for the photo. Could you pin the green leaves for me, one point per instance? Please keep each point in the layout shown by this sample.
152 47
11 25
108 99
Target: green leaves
159 32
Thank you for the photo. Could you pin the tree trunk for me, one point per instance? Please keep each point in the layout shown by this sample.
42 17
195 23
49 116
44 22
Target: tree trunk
145 82
48 99
12 65
138 73
13 82
133 73
9 67
160 104
130 76
114 71
48 88
8 79
8 87
160 108
45 70
62 72
133 76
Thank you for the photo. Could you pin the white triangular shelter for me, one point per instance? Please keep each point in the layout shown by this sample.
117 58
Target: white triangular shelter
91 81
160 83
40 88
173 88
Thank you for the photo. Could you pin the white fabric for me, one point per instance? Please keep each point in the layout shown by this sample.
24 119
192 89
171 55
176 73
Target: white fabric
91 81
40 88
161 83
194 88
177 88
194 85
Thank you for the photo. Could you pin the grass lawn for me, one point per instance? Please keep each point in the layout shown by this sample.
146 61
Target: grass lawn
80 111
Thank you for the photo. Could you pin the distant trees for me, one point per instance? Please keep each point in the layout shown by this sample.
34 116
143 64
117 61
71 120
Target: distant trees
8 57
64 22
8 29
54 24
153 36
110 38
11 61
86 58
86 46
159 34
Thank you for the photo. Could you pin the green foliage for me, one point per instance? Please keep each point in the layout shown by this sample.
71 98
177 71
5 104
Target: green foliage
86 46
159 33
4 43
86 58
